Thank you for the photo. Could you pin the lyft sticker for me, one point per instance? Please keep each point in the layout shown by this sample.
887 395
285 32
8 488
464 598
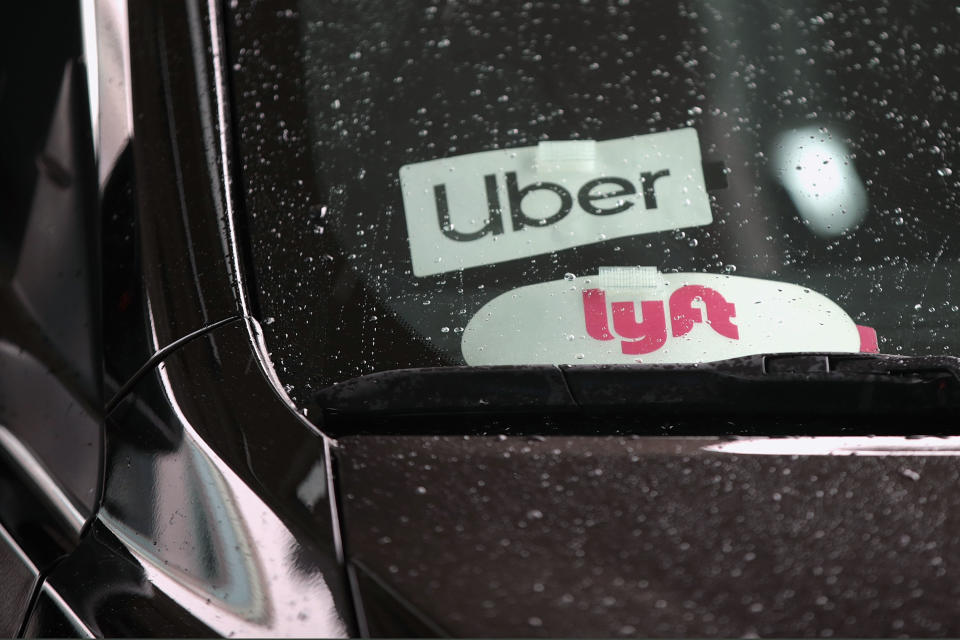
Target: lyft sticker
493 206
669 318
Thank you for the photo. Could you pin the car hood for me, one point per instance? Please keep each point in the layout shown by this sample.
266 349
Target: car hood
653 536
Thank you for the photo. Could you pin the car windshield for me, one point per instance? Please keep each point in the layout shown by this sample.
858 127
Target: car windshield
582 182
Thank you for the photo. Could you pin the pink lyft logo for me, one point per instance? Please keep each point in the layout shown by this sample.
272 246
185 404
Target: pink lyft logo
650 333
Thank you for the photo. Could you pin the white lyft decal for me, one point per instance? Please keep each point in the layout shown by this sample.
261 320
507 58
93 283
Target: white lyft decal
676 317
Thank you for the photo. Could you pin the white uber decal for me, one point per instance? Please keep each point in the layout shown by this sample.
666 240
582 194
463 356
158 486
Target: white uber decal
493 206
636 314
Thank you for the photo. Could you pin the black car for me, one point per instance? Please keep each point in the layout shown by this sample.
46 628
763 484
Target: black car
428 318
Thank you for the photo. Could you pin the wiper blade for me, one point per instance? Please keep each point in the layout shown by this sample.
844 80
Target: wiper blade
451 389
812 384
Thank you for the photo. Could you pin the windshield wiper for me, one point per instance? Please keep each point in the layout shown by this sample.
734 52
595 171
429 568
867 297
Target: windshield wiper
808 384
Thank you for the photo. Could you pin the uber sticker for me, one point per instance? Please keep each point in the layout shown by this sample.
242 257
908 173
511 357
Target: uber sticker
489 207
657 318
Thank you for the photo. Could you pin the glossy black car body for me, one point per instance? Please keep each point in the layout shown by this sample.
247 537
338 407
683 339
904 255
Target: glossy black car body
184 411
158 481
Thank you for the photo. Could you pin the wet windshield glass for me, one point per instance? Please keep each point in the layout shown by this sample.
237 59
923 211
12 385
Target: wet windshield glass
465 182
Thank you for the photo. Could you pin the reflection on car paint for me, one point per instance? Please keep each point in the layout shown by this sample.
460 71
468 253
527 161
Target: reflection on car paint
840 446
220 551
